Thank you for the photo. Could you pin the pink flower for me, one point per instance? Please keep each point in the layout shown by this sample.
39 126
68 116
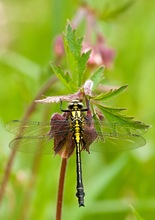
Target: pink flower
101 54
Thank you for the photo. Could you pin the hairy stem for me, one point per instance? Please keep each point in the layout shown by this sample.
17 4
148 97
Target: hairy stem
61 188
25 117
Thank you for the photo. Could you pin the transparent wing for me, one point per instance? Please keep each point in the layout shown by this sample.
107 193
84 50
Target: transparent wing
114 136
27 129
32 145
37 129
118 127
33 129
112 143
37 137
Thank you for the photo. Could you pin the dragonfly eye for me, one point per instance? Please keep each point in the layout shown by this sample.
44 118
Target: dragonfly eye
71 105
80 105
75 104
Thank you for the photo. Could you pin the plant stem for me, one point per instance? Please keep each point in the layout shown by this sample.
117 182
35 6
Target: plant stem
61 188
25 117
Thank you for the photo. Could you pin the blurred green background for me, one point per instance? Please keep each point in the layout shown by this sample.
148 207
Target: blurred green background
113 182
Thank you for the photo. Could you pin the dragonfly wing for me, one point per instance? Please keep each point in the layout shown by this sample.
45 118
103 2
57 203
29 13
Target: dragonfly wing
113 136
120 127
32 145
27 129
47 144
36 129
113 143
39 137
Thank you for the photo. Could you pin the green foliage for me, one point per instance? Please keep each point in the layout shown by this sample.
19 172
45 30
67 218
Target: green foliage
76 59
113 115
65 78
105 96
97 77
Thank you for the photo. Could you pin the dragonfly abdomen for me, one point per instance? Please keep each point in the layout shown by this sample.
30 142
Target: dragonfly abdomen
77 119
80 189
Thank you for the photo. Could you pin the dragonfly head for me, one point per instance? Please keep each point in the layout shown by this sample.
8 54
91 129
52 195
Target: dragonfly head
75 105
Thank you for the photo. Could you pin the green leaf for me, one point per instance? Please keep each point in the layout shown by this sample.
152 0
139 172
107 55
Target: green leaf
97 76
76 60
109 14
82 65
62 76
123 123
111 94
74 44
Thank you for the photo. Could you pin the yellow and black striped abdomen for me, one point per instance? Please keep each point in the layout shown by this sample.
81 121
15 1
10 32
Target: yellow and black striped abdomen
77 125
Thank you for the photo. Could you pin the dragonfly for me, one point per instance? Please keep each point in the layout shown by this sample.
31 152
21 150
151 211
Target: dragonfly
74 129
